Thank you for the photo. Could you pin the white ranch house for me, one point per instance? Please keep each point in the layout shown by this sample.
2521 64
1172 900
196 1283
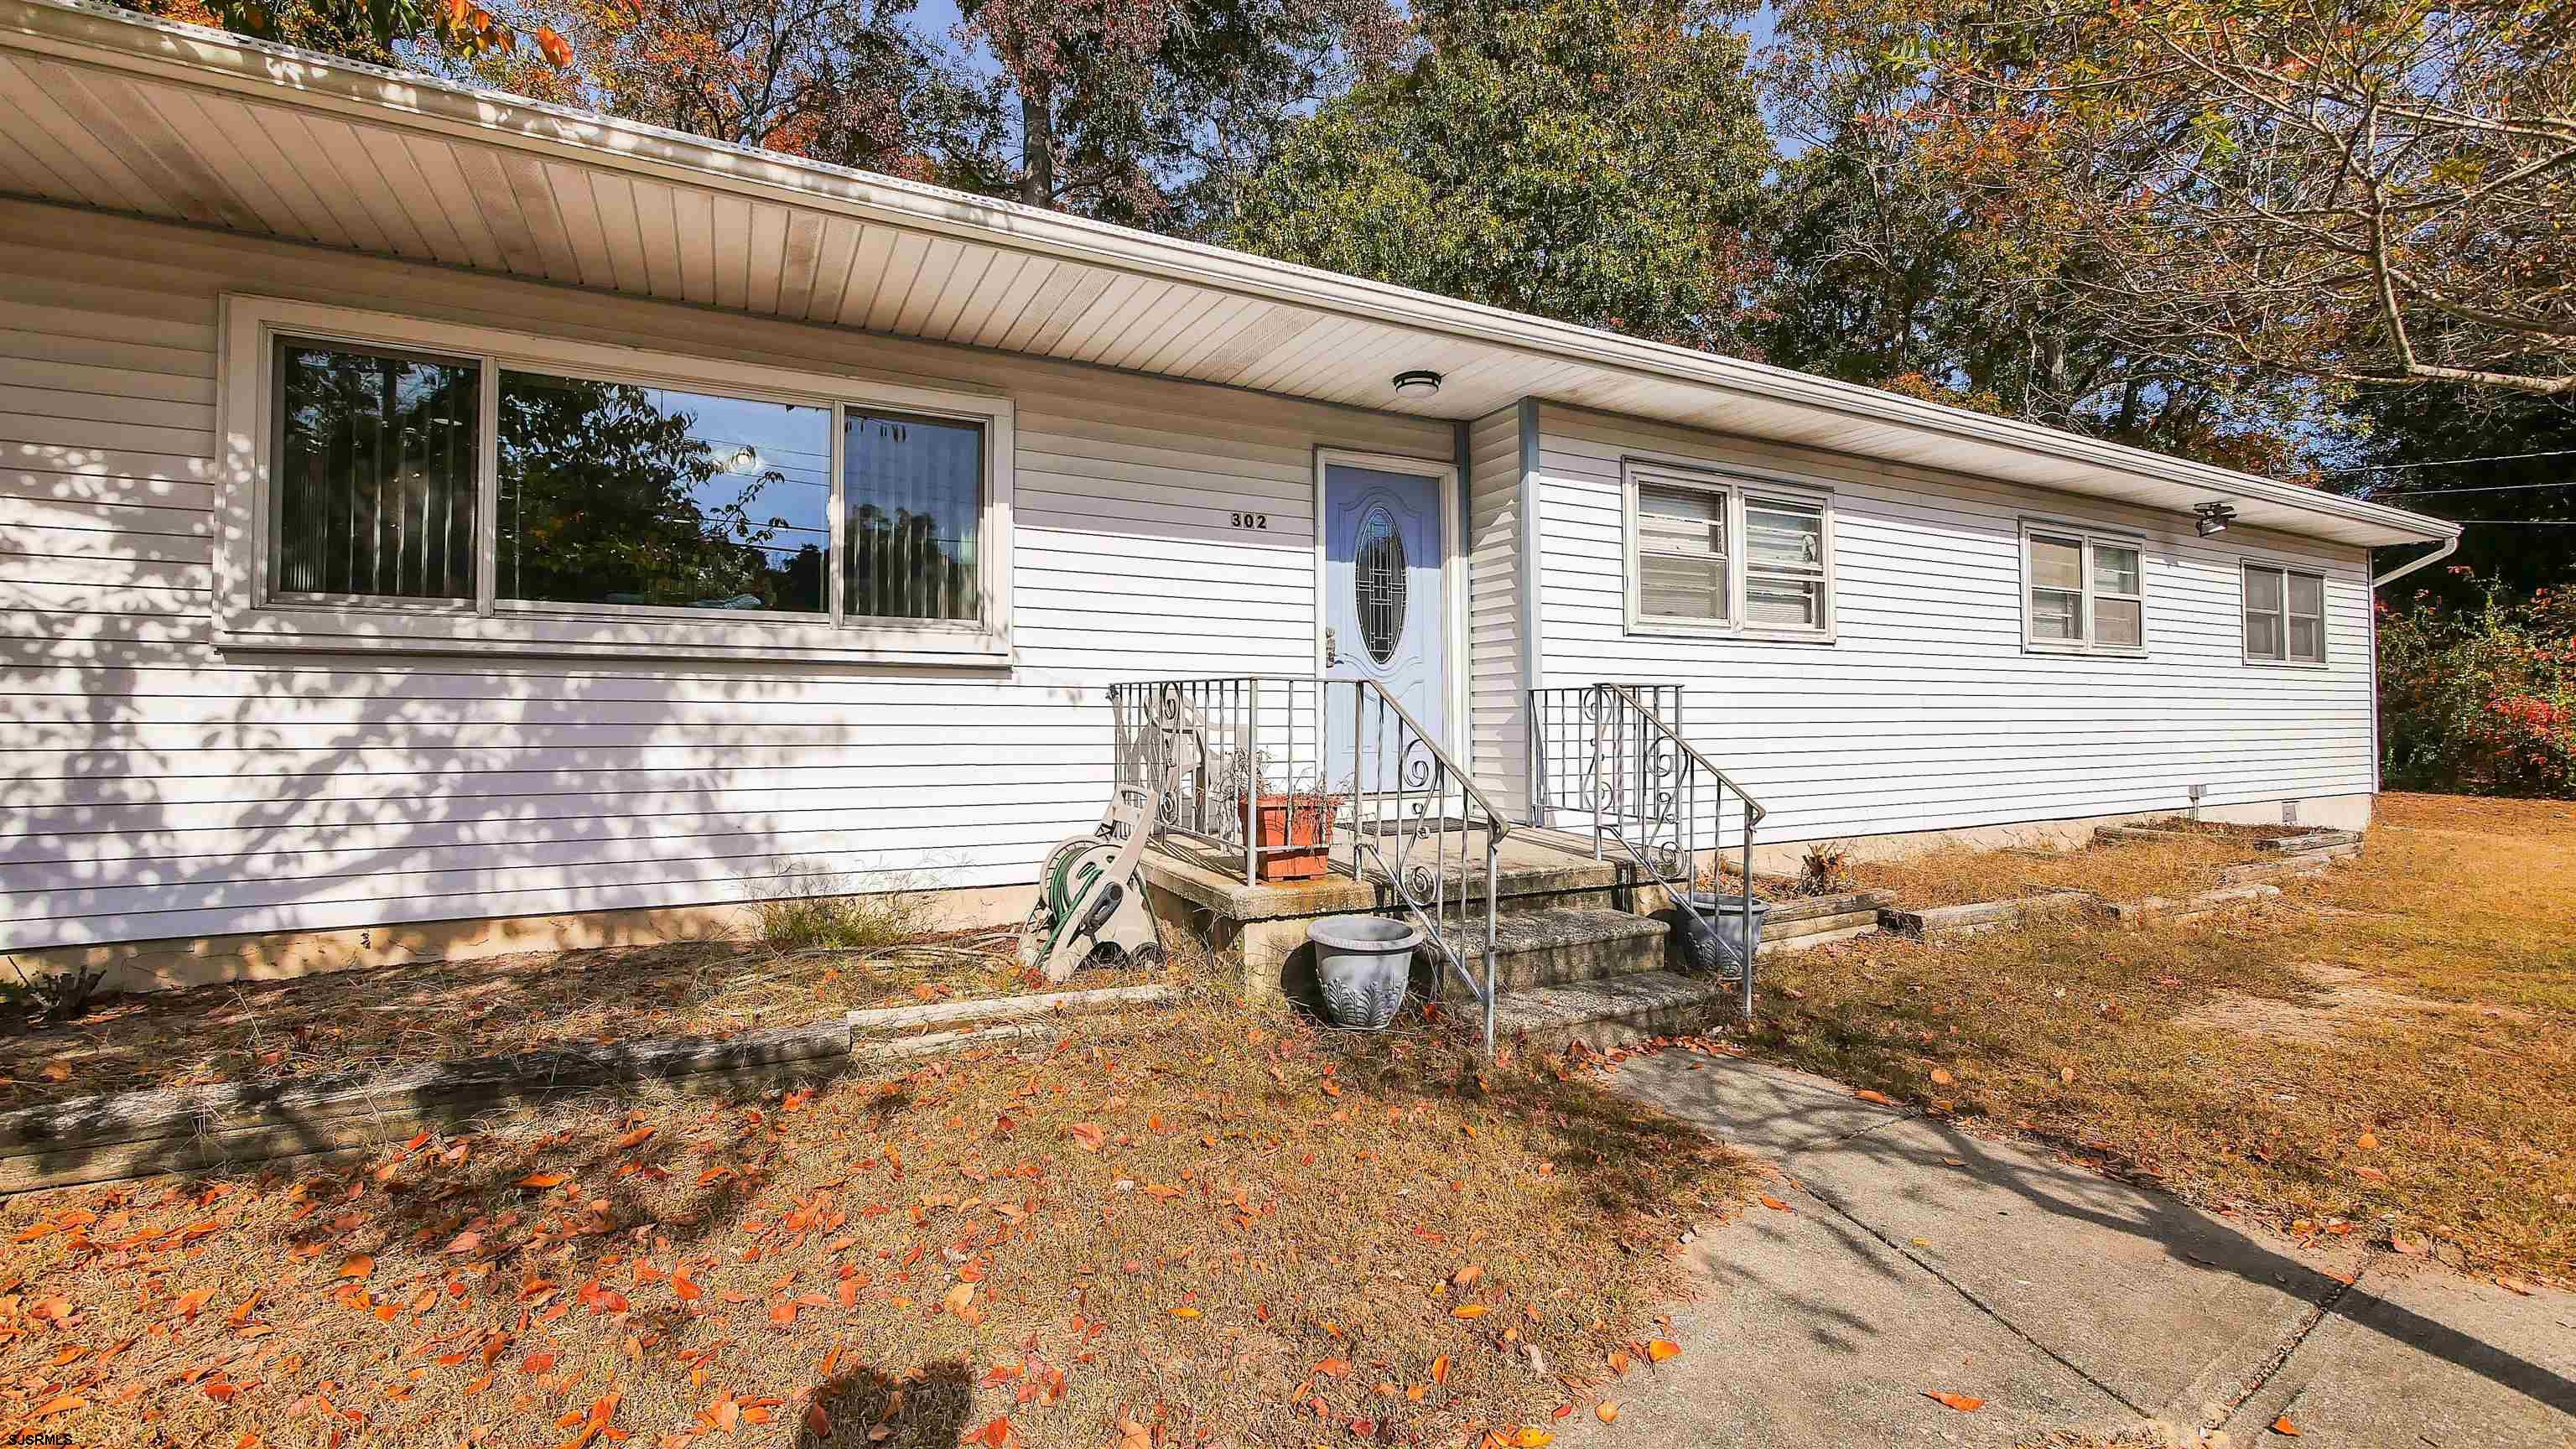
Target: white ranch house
347 415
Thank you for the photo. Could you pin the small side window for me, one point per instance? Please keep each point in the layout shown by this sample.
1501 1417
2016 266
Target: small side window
2285 616
1712 552
2085 593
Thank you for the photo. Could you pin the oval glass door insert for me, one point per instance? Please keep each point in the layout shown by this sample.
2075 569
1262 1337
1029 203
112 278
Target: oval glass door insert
1377 578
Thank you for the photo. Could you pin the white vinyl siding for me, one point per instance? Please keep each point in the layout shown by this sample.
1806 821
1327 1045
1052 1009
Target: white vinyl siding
2285 616
1929 711
158 787
2084 591
1495 638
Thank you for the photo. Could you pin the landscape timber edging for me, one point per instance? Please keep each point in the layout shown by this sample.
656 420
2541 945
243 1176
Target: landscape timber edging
139 1134
1935 922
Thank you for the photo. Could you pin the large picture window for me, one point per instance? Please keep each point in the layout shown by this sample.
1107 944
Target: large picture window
1711 552
2285 616
417 484
2083 591
616 493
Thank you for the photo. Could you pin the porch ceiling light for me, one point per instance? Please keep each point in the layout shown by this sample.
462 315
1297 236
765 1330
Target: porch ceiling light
1420 382
2214 517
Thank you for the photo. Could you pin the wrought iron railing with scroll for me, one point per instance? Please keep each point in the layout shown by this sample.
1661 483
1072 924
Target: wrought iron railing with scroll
1611 758
1398 812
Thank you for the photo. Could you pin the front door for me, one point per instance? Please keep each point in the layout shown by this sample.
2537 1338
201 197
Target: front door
1386 613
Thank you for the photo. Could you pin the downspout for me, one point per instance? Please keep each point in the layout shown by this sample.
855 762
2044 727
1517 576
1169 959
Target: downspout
1525 571
2449 547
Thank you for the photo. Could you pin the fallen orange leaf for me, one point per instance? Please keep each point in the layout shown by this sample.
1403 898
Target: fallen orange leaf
1468 1310
1881 1098
357 1265
2282 1425
1961 1402
1774 1204
1662 1349
1607 1411
542 1179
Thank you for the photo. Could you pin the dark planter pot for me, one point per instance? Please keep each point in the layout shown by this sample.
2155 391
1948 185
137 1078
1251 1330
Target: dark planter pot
1302 824
1717 944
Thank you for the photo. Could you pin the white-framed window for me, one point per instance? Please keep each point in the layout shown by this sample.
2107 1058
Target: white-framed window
2083 591
395 483
2285 615
1719 552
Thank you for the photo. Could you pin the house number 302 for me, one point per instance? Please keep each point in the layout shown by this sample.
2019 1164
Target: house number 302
1252 520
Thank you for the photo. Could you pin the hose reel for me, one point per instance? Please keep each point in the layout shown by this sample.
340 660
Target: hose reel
1086 878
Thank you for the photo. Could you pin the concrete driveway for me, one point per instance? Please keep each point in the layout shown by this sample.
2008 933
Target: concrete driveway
1911 1256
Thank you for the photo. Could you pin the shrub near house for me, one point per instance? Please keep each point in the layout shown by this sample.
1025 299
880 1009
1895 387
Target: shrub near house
2482 700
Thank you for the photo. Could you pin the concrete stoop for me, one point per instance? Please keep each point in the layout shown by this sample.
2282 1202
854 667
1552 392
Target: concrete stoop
1611 1012
1561 945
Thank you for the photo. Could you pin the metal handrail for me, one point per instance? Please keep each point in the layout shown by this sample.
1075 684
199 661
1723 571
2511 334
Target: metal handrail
1260 728
1635 748
1422 888
1755 812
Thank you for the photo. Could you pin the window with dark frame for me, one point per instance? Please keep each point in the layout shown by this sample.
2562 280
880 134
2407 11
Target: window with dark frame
913 509
620 493
373 482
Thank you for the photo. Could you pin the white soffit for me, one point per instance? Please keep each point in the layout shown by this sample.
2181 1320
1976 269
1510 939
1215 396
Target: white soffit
102 108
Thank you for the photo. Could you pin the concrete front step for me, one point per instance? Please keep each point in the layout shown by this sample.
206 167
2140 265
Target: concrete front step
1611 1012
1565 944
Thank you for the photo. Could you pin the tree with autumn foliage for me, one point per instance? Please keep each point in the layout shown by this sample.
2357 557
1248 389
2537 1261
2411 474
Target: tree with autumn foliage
2353 194
2482 699
840 81
380 32
1889 269
1599 161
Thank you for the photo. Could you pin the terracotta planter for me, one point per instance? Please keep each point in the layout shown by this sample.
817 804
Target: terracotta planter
1301 823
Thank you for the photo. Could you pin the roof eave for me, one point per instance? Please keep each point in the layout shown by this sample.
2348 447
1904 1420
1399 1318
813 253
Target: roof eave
86 32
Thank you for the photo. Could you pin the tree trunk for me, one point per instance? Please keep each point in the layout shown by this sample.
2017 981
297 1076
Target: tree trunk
1037 143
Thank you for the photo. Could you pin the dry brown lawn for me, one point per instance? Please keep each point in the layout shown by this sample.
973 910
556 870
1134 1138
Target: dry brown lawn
2122 871
2388 1050
398 1016
1209 1227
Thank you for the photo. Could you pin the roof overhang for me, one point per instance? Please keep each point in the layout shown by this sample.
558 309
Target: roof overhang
106 109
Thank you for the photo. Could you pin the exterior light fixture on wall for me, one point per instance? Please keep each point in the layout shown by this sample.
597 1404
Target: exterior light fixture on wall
2214 517
1420 382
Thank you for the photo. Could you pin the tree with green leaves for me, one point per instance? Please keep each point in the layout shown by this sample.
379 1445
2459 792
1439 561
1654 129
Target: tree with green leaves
1598 161
1139 110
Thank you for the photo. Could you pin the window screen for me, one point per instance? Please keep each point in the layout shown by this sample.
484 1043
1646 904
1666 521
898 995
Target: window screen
1681 548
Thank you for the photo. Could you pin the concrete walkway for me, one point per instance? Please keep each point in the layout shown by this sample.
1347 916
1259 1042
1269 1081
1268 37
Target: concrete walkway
1913 1257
